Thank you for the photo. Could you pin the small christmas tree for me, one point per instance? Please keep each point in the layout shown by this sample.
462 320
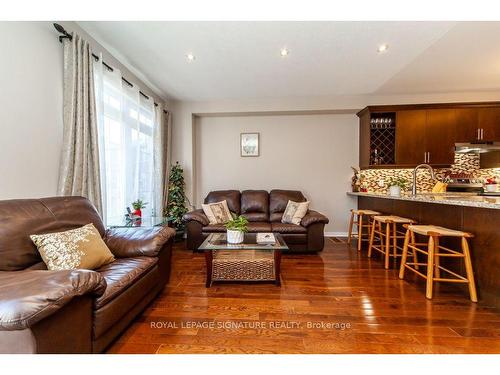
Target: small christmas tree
176 206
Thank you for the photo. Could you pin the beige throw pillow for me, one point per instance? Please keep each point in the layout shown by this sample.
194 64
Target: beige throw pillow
217 213
294 212
76 248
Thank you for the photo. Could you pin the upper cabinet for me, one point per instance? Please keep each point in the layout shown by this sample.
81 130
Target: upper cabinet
440 136
489 123
410 137
407 135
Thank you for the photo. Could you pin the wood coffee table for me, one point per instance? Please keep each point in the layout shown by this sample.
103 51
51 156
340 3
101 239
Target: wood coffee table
248 261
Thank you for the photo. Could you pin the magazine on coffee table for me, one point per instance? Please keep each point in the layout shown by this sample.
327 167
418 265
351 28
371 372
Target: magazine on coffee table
266 238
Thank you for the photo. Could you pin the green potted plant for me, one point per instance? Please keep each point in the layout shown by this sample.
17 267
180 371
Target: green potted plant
236 229
138 205
176 204
396 184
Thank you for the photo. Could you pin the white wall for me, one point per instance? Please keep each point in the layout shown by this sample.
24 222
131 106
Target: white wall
31 90
31 109
311 153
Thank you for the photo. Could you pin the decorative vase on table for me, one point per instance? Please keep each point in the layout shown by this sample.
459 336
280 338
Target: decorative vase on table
235 236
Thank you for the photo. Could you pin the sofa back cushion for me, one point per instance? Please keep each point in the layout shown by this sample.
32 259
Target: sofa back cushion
278 199
255 205
22 217
232 197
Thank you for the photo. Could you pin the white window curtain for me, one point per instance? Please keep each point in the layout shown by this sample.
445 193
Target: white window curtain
126 127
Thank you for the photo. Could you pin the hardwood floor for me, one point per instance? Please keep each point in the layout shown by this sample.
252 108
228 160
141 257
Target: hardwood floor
378 312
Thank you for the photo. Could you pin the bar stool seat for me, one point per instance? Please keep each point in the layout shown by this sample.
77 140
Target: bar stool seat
361 224
427 230
434 251
388 236
365 212
393 218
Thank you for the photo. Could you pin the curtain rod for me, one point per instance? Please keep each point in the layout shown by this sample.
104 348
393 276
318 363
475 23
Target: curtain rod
66 35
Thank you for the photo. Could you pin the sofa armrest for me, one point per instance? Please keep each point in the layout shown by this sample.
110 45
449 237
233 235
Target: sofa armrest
196 215
133 242
27 297
313 217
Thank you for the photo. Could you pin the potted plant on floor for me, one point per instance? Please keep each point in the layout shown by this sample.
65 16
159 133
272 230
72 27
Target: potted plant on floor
396 184
176 204
236 229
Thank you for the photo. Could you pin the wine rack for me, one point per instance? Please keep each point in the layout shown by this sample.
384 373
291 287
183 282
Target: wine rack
383 138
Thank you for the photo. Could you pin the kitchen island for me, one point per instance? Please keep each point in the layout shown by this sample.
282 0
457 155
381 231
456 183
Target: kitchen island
478 215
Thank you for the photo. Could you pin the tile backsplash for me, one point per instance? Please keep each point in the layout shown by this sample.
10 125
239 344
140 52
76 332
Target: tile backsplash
464 163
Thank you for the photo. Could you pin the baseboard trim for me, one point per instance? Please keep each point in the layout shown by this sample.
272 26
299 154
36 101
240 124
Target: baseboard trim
335 234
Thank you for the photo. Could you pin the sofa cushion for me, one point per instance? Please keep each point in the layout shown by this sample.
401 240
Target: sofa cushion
253 227
120 274
214 228
115 311
288 228
231 196
259 226
22 217
255 205
278 199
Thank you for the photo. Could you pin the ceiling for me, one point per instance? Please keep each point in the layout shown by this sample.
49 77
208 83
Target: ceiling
241 60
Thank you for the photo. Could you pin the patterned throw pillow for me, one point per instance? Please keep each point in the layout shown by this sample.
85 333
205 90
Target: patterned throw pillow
294 212
217 213
76 248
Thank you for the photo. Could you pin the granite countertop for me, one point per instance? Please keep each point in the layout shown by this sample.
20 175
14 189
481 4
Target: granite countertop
454 199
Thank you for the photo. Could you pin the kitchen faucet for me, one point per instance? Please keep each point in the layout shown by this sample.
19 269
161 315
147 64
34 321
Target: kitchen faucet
414 186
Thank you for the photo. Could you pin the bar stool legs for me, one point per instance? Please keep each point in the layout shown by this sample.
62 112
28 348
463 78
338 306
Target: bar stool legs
388 236
358 218
434 251
468 270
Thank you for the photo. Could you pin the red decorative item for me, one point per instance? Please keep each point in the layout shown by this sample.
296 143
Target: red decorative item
138 213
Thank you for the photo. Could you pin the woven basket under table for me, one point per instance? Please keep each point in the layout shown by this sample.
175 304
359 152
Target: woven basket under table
248 265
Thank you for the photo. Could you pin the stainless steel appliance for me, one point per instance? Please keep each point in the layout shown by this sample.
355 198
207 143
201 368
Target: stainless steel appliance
464 183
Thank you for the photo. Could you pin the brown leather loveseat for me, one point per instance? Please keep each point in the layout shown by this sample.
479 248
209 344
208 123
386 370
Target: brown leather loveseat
264 212
74 311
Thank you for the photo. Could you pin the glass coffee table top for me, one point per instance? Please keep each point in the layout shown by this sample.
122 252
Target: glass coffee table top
122 222
218 241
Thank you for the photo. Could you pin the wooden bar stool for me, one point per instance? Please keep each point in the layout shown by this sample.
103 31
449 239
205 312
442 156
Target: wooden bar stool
388 236
360 225
434 251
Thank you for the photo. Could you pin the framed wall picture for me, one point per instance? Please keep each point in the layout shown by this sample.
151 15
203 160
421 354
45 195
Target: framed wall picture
249 144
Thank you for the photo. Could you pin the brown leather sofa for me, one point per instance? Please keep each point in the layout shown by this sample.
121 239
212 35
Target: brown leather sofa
264 212
75 311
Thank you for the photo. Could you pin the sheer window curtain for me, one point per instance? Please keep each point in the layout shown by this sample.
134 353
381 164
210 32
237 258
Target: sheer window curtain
127 132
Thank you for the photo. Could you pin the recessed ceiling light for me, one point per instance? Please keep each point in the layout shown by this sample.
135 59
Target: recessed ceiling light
284 52
190 57
382 48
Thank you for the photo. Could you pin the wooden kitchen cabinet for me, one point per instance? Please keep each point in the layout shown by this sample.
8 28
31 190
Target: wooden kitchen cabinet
467 124
489 123
440 136
410 137
427 133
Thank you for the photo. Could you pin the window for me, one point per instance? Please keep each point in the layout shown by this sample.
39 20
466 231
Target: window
126 136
